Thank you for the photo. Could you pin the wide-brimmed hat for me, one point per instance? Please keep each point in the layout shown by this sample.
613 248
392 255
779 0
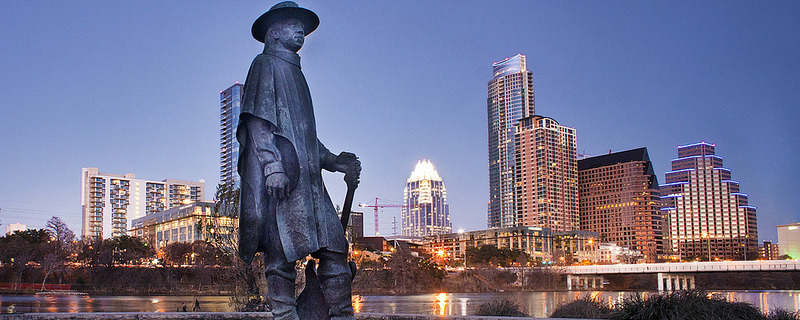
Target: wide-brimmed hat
284 10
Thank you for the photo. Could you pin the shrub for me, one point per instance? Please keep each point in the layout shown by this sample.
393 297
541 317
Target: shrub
782 314
685 305
501 308
586 308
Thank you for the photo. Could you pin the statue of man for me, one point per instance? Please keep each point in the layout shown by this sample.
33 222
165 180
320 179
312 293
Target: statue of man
286 212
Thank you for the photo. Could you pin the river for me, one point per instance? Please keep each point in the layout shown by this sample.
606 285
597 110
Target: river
537 304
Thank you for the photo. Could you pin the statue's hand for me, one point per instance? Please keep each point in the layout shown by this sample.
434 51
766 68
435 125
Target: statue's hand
344 160
349 164
278 185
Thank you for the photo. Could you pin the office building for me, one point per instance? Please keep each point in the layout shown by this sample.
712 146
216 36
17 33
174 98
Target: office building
534 241
110 201
619 199
575 246
769 251
355 226
611 253
14 227
510 98
708 216
789 240
186 223
546 174
230 101
425 210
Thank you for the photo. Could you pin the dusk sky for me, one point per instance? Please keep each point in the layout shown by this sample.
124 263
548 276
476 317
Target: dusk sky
133 86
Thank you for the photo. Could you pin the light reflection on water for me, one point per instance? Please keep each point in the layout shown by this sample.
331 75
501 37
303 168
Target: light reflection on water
541 304
537 304
33 303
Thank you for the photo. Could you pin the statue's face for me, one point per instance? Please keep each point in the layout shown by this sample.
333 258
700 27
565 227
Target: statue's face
290 35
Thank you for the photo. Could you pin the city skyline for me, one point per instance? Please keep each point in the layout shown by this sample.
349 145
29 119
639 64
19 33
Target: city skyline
135 88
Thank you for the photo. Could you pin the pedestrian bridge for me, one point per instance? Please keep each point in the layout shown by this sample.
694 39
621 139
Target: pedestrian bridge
672 276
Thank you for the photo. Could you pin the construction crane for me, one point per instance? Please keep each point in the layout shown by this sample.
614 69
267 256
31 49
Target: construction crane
377 206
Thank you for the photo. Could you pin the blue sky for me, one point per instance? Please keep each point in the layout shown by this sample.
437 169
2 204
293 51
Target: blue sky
134 87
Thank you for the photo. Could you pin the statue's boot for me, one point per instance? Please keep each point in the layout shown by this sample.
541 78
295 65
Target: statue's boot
281 293
336 279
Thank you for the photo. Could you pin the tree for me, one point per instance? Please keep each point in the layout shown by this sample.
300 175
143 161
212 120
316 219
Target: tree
23 247
197 253
410 274
248 279
61 235
178 253
491 255
124 249
62 239
127 249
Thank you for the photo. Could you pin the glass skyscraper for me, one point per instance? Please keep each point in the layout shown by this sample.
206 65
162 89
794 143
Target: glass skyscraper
230 101
510 98
709 218
425 211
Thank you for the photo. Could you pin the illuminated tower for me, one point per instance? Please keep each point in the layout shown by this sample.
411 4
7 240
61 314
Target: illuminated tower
230 101
425 210
708 216
510 98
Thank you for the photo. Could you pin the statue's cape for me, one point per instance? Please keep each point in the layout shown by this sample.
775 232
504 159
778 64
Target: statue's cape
306 220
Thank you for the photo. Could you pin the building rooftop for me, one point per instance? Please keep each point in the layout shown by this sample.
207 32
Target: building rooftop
639 154
424 171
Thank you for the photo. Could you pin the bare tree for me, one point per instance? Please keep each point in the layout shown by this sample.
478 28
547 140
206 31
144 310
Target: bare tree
61 248
61 234
223 233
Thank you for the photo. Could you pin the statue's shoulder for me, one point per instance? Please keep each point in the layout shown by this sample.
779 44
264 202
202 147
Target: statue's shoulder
262 60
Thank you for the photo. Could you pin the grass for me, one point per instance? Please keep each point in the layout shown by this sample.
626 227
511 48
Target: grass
585 308
501 308
677 305
685 305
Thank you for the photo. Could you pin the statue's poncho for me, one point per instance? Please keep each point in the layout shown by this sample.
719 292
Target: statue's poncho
276 92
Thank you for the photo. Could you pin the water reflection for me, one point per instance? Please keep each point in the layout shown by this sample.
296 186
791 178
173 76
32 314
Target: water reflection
541 304
33 303
537 304
440 305
357 303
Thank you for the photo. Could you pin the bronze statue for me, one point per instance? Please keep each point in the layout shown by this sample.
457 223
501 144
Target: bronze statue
286 212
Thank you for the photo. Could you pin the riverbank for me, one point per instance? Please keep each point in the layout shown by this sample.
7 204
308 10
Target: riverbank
225 316
536 304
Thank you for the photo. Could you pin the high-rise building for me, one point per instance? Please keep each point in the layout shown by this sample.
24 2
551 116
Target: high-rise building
789 240
510 98
109 202
546 175
355 226
708 216
425 210
230 101
769 251
619 199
